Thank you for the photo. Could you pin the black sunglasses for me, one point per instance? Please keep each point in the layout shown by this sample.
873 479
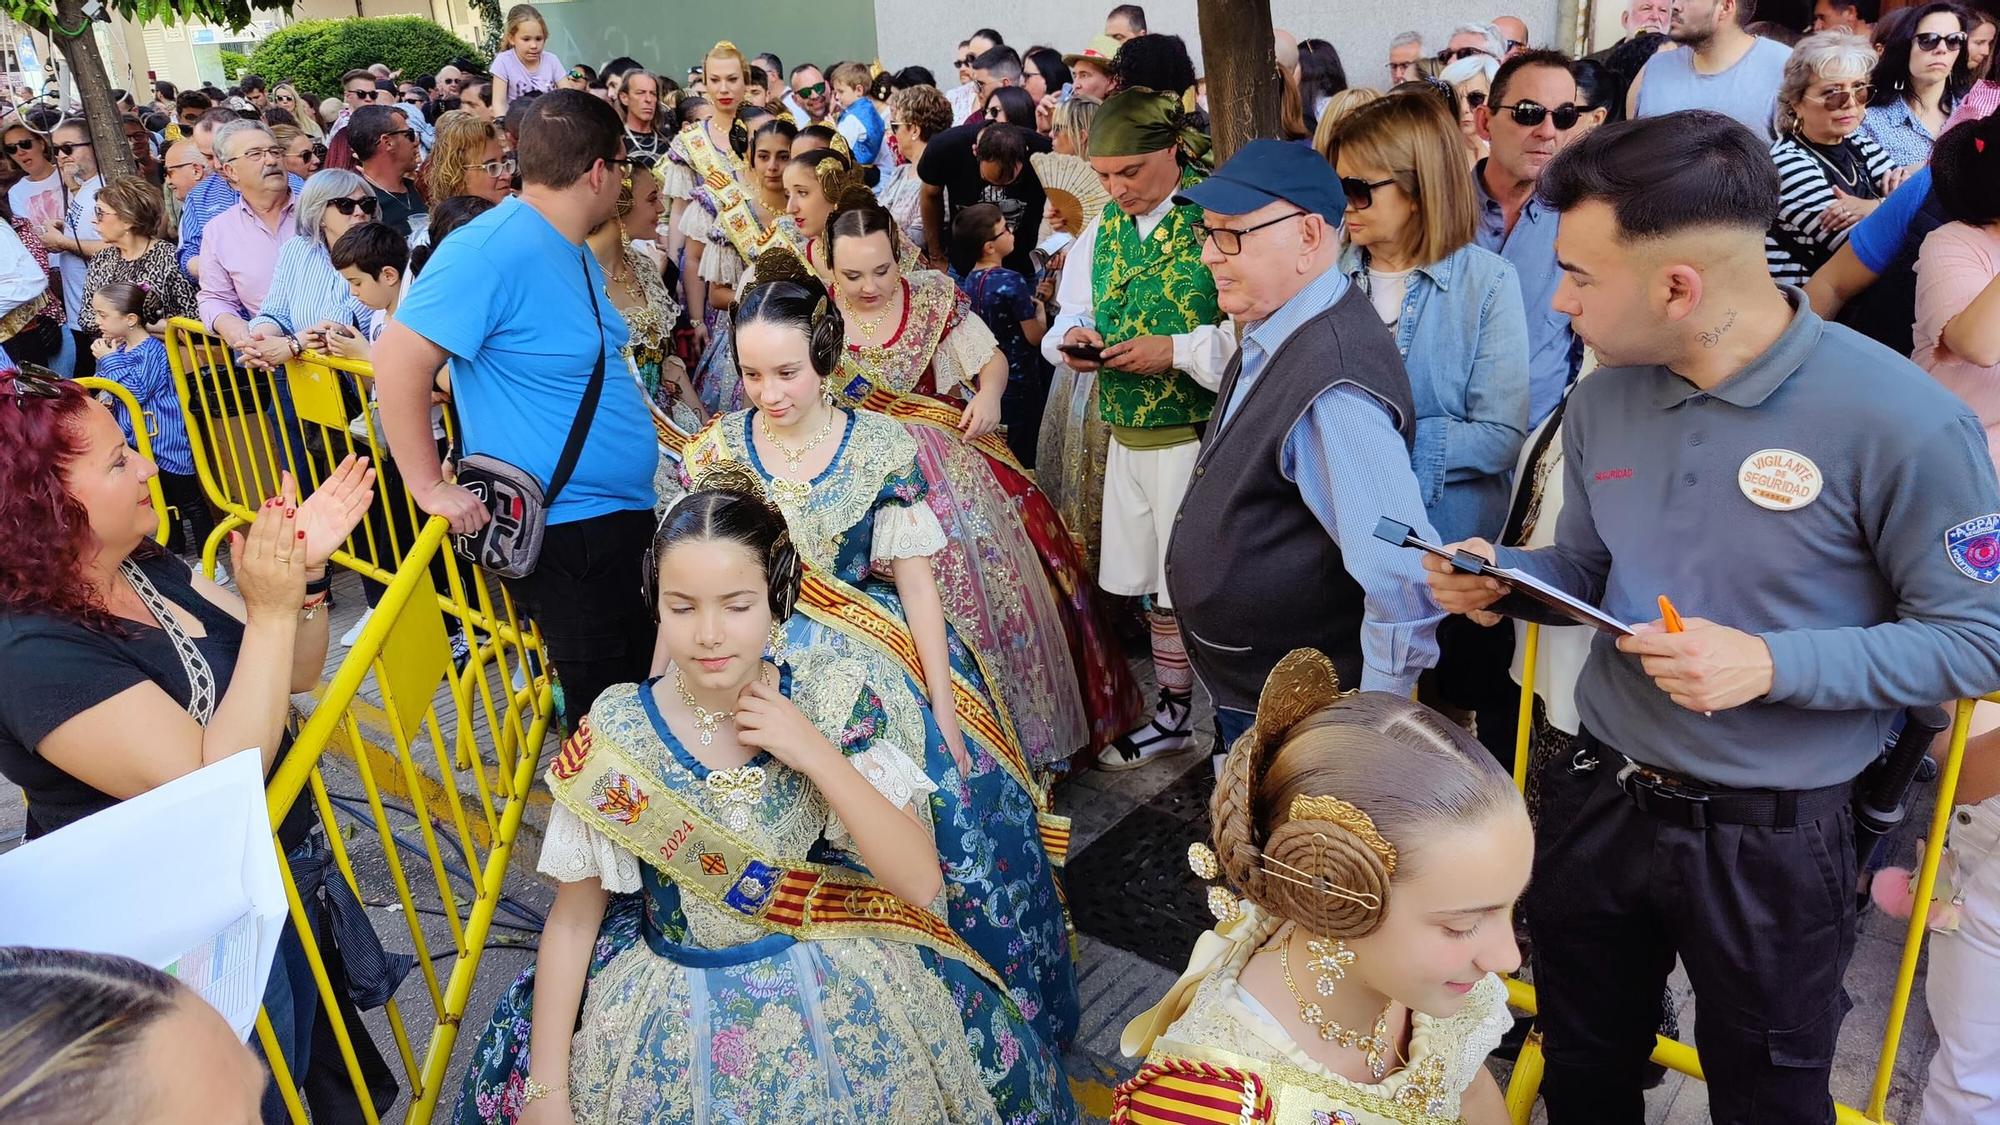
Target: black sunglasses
1450 56
966 61
1931 40
31 381
1528 115
317 151
1475 98
21 146
70 148
348 206
1360 193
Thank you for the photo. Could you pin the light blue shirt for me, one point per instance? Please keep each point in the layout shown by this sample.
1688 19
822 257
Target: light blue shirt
1554 352
1351 468
1899 132
306 290
1464 343
509 298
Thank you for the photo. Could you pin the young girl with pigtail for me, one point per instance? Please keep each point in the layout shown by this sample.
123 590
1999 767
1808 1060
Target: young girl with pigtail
1372 853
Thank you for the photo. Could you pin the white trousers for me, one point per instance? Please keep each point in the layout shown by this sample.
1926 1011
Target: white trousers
1142 494
1963 984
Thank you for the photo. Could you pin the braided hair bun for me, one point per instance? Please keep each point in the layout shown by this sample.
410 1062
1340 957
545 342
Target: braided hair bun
787 292
858 214
729 503
1322 802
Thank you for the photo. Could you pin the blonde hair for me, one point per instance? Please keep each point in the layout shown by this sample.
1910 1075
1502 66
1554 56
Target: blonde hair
724 49
1821 55
461 138
1402 765
1337 109
1410 137
517 16
1075 116
851 74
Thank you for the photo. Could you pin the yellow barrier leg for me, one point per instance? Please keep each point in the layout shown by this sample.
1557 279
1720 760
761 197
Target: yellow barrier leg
288 1087
1526 1081
1526 724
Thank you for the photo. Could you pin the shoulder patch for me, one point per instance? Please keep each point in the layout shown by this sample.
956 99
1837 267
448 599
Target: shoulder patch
1974 547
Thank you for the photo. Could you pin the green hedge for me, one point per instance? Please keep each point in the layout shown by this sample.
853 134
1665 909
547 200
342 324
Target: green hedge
314 54
234 63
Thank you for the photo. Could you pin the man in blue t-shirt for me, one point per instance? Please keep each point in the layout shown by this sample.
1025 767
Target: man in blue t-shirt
513 300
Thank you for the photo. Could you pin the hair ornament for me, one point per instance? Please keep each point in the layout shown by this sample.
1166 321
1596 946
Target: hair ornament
723 46
732 476
1302 684
1340 812
828 168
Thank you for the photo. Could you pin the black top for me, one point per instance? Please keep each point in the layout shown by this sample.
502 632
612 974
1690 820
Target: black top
948 162
395 208
54 670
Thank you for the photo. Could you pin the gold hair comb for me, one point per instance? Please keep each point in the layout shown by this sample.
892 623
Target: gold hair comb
1279 869
1337 811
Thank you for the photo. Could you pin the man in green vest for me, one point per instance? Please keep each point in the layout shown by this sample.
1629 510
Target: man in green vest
1139 309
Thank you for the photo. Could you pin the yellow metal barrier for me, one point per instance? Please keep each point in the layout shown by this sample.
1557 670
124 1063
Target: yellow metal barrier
401 720
143 431
1525 1084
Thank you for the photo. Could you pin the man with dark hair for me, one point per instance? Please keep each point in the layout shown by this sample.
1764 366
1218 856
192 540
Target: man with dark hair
1725 68
1708 814
254 90
1126 21
994 69
776 89
964 97
1530 114
809 99
983 163
189 105
1856 16
514 301
385 153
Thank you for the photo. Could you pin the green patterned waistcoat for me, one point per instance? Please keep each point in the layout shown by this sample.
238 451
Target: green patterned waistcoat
1155 286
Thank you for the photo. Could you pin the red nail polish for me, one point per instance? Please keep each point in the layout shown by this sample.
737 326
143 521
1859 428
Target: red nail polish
302 535
290 512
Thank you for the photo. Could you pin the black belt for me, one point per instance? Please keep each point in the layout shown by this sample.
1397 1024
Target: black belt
1688 803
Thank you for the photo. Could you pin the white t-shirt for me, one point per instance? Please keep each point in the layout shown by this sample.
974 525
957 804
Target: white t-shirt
1385 292
82 225
42 202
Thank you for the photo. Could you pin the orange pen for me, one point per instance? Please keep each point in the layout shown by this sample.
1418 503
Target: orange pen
1669 616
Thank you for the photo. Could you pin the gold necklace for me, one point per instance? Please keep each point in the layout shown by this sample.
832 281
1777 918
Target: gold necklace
1374 1046
869 327
705 720
793 490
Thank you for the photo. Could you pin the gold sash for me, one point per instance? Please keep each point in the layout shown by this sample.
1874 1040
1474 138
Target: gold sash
722 175
601 783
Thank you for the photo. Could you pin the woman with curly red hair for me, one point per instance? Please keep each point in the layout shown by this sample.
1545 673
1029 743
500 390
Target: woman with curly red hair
125 669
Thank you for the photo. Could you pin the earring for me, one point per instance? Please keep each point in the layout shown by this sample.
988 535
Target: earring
778 643
1329 963
826 393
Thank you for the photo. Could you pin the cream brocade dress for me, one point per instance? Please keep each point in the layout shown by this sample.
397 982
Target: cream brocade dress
1209 1020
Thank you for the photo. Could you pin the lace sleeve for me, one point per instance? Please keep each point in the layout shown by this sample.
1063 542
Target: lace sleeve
697 221
895 775
722 265
960 355
573 851
906 531
1474 1033
676 179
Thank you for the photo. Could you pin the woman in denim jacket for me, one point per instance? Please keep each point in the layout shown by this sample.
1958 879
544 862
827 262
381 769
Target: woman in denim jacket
1454 309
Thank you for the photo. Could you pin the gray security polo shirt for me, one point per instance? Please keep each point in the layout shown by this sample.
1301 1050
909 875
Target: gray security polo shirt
1830 497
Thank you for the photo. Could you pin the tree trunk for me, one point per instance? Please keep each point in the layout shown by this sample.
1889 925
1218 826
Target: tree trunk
1241 63
93 85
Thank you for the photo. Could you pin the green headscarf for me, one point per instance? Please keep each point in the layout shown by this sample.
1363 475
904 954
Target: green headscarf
1138 121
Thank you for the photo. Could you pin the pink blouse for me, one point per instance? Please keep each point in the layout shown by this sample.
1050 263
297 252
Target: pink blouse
1957 262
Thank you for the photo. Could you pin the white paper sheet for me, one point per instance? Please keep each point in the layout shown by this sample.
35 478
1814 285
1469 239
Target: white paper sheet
184 878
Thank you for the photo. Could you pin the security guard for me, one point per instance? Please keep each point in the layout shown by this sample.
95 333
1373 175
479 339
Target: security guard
1828 517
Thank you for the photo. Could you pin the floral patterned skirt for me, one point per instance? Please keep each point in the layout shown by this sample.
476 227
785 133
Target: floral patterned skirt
1069 459
842 1030
716 379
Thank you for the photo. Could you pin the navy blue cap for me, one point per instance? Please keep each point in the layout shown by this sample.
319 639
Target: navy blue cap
1268 171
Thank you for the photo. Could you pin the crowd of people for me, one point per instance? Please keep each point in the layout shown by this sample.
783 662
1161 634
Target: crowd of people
891 429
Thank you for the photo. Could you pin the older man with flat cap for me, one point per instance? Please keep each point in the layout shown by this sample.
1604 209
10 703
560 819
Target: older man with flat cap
1273 548
1138 307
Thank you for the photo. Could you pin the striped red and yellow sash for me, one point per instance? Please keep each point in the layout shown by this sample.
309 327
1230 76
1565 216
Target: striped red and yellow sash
923 410
1187 1092
607 787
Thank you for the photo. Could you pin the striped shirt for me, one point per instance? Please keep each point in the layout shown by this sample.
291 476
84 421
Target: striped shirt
1796 244
143 370
307 290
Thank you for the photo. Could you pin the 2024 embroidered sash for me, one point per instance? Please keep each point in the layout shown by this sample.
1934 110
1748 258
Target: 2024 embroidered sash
597 780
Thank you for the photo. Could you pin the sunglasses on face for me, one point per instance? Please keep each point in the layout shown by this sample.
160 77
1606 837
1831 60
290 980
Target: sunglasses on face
317 153
410 133
1529 115
1932 40
20 146
1843 97
1450 56
1475 98
965 60
350 206
812 91
361 95
1360 193
1229 240
69 148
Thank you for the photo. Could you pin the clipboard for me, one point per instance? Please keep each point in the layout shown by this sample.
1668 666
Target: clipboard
1518 581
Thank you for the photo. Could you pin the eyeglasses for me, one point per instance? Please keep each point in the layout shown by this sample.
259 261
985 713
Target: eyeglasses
1529 115
69 148
260 154
1475 98
1842 97
964 60
1450 56
35 382
21 146
1931 40
497 168
1513 45
812 91
347 206
1360 193
1229 240
172 168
